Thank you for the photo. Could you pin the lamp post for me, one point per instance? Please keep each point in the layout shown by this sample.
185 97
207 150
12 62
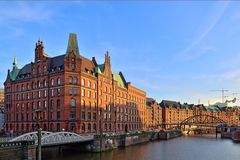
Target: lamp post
101 134
39 133
115 121
126 128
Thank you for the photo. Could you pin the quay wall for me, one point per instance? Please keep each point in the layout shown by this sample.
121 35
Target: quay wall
22 150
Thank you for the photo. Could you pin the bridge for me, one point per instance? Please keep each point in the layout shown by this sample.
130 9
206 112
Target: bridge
53 138
203 120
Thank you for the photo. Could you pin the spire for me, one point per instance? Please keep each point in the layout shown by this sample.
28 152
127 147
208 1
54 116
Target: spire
14 72
15 64
73 45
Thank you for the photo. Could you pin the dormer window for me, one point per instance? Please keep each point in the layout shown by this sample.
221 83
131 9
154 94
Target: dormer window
73 66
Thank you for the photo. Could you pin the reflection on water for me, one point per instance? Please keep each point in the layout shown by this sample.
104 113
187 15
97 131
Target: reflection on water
183 148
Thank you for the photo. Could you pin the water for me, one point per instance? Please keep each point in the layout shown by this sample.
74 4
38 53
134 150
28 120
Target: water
183 148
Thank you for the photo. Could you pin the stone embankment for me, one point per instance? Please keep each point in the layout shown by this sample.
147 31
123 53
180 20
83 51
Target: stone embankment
112 142
233 134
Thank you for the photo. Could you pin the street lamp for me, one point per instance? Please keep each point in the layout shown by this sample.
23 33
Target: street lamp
101 134
125 125
39 133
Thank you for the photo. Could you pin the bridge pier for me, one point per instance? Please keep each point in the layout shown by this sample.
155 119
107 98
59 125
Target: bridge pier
39 148
59 149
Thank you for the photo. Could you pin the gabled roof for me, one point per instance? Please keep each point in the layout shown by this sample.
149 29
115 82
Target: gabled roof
73 45
14 73
186 106
119 80
167 104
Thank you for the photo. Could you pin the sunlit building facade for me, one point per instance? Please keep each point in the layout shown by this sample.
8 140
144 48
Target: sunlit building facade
72 93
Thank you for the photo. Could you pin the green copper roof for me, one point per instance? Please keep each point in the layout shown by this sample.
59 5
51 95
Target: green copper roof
101 67
14 73
97 70
15 61
119 79
15 70
73 45
212 108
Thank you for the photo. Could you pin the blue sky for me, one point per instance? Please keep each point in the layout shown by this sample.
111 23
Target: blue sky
173 50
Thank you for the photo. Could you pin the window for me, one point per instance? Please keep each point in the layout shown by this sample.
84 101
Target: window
105 90
45 93
51 104
89 127
94 85
89 84
52 93
94 127
83 127
45 104
39 84
70 80
94 116
58 91
58 104
72 115
89 115
39 104
75 91
94 106
89 105
52 82
89 94
51 115
70 91
82 104
83 92
58 81
45 83
73 103
73 66
75 80
39 94
83 115
83 82
58 126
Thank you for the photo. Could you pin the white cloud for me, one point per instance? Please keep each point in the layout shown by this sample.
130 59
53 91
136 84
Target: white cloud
21 11
186 53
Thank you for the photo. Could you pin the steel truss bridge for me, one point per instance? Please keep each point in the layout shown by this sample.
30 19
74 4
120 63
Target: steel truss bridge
53 138
198 120
203 120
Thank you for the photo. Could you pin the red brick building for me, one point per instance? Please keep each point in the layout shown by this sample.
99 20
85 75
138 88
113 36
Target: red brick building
72 93
153 114
1 96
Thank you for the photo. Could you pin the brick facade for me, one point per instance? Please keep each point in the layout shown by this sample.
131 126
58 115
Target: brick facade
72 93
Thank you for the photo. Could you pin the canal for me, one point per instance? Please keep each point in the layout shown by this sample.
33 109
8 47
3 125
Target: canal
183 148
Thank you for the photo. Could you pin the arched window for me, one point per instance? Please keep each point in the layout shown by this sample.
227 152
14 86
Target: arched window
52 82
58 104
73 103
58 81
75 80
70 79
39 84
45 104
89 84
83 127
89 127
82 104
51 104
83 82
94 127
45 83
51 126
